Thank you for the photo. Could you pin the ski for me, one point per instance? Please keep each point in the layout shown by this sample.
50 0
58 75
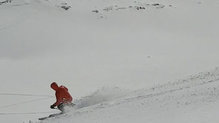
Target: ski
50 116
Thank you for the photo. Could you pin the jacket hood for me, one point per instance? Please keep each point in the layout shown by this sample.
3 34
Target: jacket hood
54 86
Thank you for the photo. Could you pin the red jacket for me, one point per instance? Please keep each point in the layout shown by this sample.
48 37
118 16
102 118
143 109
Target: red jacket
62 94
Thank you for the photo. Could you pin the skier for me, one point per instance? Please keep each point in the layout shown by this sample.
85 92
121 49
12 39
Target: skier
63 97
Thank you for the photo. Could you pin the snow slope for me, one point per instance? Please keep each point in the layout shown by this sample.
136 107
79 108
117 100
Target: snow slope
191 100
127 44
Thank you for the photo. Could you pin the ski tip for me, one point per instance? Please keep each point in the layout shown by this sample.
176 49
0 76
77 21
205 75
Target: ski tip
43 118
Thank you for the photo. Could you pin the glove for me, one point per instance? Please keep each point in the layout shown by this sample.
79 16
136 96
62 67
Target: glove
52 106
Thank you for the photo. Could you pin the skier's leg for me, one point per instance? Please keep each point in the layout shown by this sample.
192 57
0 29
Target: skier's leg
61 107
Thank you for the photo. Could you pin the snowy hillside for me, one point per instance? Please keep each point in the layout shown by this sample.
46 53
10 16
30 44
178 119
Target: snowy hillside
132 45
191 100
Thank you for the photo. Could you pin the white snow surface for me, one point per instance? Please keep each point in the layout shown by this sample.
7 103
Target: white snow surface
191 100
122 60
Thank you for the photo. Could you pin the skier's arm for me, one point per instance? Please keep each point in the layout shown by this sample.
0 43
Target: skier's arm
58 99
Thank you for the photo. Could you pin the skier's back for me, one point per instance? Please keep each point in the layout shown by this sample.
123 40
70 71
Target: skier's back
63 97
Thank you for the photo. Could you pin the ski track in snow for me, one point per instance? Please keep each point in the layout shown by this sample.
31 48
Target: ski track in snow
199 89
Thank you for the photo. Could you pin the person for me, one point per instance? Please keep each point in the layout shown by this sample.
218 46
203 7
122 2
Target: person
63 97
